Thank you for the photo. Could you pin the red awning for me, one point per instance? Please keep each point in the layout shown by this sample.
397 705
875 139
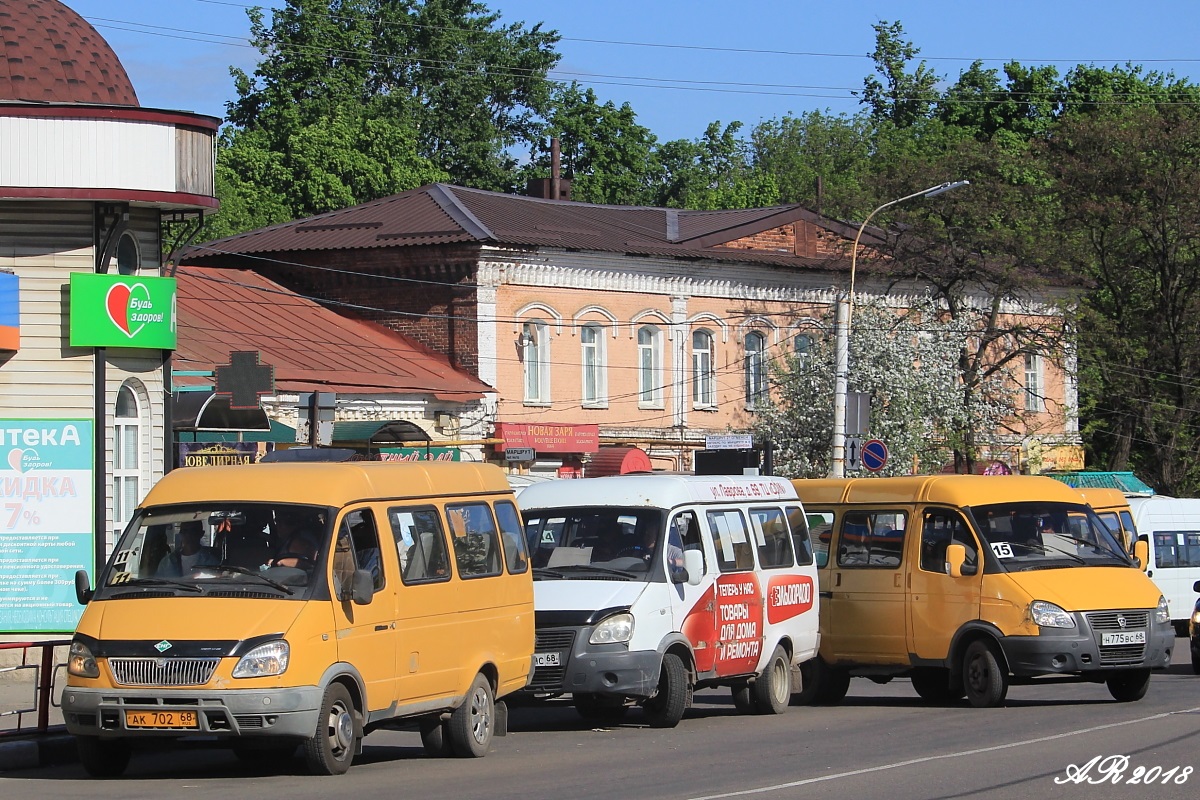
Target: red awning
617 461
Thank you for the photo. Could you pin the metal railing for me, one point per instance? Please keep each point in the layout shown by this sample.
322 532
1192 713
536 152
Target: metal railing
43 673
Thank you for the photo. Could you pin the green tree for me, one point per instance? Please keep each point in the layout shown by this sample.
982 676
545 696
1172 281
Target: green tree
609 157
713 172
356 99
1023 108
798 151
901 97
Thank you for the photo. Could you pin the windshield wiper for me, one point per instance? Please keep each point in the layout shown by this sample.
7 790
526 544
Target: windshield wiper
191 587
547 572
252 574
593 568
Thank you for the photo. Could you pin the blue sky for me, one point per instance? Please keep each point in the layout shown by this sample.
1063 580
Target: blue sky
682 64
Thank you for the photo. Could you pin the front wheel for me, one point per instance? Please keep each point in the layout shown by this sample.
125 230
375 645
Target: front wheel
985 681
103 758
330 750
435 737
773 688
665 709
473 723
1128 685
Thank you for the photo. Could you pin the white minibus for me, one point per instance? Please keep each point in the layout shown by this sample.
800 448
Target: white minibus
1171 526
647 587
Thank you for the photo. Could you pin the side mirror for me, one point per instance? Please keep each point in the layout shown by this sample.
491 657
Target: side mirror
1196 586
83 587
693 562
361 589
1141 554
956 556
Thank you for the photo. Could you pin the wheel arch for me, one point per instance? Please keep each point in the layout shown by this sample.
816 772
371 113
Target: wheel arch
973 631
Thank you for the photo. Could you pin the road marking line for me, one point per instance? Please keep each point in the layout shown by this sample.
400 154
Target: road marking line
926 759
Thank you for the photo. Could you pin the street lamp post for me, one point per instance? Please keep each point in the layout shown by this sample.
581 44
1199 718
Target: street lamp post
842 346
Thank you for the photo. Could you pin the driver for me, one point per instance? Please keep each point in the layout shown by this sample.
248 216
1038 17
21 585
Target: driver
299 550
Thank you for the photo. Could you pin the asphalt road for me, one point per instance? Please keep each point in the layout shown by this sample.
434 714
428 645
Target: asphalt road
881 742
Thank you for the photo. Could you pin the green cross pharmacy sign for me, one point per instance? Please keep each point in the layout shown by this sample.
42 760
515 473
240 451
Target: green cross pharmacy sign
122 311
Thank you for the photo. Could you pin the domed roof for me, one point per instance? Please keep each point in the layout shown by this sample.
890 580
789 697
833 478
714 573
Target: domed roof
53 55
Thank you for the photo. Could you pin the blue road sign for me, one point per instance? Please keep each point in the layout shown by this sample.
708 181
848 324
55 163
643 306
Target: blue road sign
874 455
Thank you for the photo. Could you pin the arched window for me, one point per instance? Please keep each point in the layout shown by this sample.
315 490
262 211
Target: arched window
756 369
535 355
128 257
704 390
650 365
591 341
127 457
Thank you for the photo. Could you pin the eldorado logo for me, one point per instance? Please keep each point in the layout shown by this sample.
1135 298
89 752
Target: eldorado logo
127 305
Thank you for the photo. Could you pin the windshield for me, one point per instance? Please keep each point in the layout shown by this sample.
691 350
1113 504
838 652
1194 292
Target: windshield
594 543
200 549
1039 535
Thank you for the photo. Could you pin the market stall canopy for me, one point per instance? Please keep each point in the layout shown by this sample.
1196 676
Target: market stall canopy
617 461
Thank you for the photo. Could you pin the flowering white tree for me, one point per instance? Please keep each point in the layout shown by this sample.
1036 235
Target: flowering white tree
909 364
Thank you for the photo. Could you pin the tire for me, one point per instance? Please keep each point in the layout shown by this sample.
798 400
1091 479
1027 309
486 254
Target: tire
103 758
773 688
330 750
1128 685
743 698
821 684
985 681
933 685
473 723
435 737
665 709
267 754
598 708
1196 664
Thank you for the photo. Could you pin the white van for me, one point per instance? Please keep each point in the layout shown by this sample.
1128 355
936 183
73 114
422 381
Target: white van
1171 526
647 587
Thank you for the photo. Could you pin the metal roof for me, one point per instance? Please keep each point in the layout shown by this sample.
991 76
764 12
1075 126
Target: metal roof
445 214
52 55
311 348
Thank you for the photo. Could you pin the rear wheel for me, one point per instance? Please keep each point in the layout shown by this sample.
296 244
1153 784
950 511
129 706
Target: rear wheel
665 709
821 684
330 750
985 681
435 737
773 688
598 708
103 758
933 684
473 723
743 698
1128 685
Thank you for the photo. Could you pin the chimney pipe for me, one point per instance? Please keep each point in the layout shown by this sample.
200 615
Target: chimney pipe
555 175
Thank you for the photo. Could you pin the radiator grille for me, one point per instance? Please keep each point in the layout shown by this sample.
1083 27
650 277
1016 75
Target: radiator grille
1110 620
163 671
551 678
1118 654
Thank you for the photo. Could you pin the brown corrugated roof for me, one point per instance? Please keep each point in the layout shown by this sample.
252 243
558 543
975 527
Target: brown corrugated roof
444 214
52 55
221 311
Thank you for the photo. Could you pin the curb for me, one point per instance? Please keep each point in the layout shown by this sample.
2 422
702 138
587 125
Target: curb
37 752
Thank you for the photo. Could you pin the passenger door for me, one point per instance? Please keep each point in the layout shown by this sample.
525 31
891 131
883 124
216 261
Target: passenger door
938 603
365 633
866 589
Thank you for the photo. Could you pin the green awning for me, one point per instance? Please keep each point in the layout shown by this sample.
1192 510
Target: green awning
378 432
279 433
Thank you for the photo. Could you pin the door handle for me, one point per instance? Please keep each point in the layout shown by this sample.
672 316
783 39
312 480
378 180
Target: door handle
825 594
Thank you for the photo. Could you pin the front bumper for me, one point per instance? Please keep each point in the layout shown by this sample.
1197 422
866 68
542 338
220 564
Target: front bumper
1079 650
610 669
241 713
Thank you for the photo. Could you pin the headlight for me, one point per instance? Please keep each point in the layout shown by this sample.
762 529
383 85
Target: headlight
265 660
81 663
1163 612
1048 615
1196 616
617 628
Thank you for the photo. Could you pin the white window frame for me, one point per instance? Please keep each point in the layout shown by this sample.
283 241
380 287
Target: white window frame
129 457
650 367
1035 398
756 369
535 361
704 376
594 366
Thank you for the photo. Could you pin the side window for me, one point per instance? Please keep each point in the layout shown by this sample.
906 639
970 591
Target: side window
800 540
1177 549
871 539
731 540
686 529
772 537
515 556
476 543
820 524
420 544
940 529
357 548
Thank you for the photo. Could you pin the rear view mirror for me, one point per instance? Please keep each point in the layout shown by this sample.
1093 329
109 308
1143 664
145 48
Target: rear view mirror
693 561
83 587
956 556
362 587
1141 553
